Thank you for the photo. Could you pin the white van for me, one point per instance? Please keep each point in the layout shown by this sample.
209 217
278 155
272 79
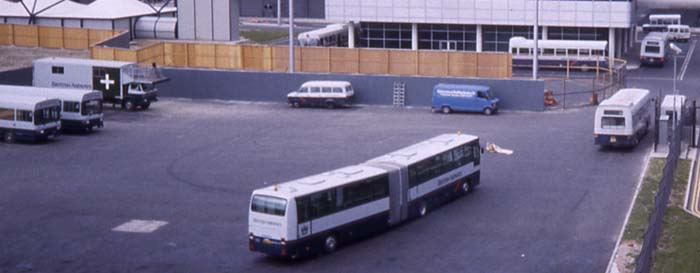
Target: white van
322 93
679 32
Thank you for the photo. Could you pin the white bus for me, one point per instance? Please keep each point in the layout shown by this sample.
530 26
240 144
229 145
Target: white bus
81 109
660 22
623 119
654 49
319 212
678 33
558 52
29 118
334 35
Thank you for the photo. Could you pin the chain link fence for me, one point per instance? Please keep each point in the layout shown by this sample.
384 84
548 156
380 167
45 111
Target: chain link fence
583 86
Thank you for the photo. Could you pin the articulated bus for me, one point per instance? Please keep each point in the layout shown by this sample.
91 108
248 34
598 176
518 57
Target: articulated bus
584 54
29 118
320 212
82 109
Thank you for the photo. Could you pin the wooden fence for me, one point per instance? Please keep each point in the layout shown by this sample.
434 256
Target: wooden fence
52 37
316 59
266 58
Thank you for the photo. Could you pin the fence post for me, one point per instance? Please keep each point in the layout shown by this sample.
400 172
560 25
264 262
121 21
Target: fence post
564 101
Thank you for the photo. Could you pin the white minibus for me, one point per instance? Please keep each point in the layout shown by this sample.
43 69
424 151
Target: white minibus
81 108
29 118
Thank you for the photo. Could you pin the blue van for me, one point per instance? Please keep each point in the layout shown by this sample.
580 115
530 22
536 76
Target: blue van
464 97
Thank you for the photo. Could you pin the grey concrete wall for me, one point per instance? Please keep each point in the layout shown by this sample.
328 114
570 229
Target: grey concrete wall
203 26
185 19
370 89
119 41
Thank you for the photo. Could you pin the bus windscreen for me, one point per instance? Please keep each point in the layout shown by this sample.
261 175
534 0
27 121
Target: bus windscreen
268 205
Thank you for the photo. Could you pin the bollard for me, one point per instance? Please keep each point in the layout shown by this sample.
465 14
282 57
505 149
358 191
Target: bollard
594 98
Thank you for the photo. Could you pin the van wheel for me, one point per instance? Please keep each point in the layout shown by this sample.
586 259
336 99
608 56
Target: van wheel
422 209
128 105
9 137
488 111
330 244
330 105
446 110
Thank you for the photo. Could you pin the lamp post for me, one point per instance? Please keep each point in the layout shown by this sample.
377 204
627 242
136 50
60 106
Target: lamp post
536 39
291 36
676 50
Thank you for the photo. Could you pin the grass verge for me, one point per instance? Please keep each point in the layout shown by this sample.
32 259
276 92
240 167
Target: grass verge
679 245
261 36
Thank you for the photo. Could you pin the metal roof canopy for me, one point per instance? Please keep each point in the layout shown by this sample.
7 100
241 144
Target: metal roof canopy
99 9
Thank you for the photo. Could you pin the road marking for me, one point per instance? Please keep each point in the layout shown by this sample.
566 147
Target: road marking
686 62
650 78
140 226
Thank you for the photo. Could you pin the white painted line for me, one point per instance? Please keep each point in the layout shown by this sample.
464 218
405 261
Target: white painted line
686 62
140 226
629 212
693 169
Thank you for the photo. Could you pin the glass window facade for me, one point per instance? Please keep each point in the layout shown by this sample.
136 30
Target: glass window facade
384 35
577 33
496 38
447 37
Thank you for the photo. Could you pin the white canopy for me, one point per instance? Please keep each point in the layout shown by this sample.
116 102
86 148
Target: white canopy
99 9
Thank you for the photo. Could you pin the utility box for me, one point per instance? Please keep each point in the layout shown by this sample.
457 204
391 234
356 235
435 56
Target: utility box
673 106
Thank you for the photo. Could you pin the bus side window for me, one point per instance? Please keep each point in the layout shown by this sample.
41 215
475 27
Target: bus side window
7 114
303 90
337 90
303 213
323 203
315 89
326 90
477 153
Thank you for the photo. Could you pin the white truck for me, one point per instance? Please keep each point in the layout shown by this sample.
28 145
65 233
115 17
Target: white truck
122 83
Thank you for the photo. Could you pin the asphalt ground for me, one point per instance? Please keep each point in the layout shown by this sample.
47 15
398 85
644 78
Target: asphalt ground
556 205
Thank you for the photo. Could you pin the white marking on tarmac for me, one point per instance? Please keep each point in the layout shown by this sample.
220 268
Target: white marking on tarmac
140 226
686 62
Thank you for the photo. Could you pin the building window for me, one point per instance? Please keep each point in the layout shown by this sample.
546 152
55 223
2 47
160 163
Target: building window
384 35
496 38
577 33
57 69
447 37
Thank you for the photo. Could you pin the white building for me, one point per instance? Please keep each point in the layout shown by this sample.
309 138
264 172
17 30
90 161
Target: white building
480 25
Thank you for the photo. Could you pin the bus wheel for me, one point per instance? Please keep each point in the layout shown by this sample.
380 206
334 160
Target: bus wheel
330 105
422 209
488 111
128 105
9 137
330 244
296 104
446 110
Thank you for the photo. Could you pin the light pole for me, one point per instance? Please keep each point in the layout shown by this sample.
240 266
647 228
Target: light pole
676 50
291 36
536 39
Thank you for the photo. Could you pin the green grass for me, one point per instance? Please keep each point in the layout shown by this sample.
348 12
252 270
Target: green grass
639 218
261 36
679 246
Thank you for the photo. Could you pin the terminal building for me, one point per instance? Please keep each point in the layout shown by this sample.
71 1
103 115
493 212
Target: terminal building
481 25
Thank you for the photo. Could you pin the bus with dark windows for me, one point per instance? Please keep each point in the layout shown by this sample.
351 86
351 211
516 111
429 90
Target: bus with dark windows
29 118
318 213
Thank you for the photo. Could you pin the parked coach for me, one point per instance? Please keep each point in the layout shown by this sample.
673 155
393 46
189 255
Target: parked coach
328 94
